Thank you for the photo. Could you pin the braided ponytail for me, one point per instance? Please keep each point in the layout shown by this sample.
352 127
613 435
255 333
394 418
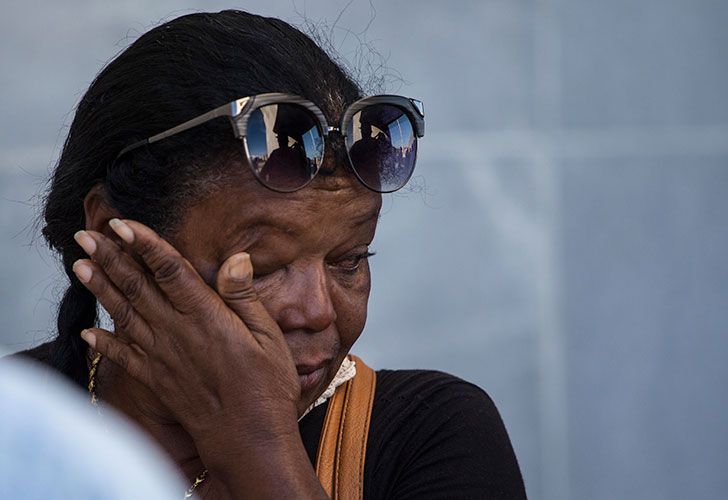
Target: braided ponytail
76 312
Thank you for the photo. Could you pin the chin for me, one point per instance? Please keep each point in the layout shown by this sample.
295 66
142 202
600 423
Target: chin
315 380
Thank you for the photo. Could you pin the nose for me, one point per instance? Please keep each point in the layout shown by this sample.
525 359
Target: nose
334 154
307 304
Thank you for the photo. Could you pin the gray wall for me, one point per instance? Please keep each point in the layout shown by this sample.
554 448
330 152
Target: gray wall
565 248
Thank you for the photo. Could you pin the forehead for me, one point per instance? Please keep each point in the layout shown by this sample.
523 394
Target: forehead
327 209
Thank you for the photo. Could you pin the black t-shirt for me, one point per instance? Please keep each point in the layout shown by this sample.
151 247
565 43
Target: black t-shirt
432 436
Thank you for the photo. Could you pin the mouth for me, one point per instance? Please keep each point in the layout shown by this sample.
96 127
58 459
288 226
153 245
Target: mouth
311 376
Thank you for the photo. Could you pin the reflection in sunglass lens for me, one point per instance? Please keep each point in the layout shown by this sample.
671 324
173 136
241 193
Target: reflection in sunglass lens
382 146
285 145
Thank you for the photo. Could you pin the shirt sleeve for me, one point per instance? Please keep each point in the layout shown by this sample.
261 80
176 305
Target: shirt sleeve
441 437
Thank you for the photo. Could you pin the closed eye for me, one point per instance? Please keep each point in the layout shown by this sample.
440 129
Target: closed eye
351 264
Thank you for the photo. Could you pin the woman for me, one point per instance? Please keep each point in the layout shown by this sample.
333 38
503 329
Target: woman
233 261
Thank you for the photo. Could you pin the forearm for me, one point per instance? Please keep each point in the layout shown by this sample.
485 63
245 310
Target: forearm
275 469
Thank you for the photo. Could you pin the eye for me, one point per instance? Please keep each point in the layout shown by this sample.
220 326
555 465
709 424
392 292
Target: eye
258 275
350 264
262 270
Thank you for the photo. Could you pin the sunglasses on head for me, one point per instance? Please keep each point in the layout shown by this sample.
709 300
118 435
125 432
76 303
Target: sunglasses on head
283 138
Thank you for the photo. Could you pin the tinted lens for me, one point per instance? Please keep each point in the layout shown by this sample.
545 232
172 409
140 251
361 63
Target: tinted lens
382 146
285 145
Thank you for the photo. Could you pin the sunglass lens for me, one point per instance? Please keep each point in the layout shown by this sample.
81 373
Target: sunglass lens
382 146
285 145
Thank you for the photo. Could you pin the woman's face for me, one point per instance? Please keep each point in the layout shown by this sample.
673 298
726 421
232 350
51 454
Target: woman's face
308 250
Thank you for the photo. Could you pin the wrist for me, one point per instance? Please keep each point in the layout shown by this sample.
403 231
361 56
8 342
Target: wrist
272 469
261 456
243 435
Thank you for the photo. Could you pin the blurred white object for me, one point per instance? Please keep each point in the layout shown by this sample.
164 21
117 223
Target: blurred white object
54 445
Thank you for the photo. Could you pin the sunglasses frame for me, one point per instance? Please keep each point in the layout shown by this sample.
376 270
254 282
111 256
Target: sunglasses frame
239 111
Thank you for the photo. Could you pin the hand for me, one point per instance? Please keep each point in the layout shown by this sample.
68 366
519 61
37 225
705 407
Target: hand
217 361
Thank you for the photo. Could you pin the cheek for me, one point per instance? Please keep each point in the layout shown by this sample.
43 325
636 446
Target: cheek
273 294
349 297
351 312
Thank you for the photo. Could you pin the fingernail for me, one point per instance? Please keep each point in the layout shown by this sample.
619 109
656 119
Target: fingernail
83 270
89 337
240 267
85 241
123 230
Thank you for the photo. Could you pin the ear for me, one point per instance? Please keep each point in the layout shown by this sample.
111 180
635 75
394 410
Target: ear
98 211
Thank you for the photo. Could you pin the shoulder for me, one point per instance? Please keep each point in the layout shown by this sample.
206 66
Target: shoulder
39 353
432 397
428 387
39 357
432 431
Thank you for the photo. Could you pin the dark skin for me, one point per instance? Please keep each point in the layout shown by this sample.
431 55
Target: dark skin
216 368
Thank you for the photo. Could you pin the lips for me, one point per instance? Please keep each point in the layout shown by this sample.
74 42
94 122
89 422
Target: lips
310 376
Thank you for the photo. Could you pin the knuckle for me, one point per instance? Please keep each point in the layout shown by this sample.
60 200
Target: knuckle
166 265
245 294
168 269
146 247
121 356
123 315
177 349
131 285
105 259
102 288
199 306
150 339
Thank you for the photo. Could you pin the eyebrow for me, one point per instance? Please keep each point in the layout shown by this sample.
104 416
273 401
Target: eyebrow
266 223
254 229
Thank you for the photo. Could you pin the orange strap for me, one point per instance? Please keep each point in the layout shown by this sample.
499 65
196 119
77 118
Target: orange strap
343 445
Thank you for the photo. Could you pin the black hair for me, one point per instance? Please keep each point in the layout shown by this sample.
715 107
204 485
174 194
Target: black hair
172 73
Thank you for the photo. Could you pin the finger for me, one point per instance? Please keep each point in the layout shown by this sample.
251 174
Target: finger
127 275
173 274
126 318
131 359
235 286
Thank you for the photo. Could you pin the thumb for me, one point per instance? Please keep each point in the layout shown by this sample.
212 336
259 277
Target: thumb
235 287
